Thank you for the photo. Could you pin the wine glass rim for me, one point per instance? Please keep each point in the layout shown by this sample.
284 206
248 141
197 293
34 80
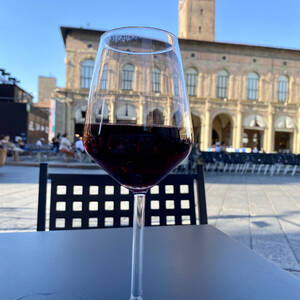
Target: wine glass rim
167 49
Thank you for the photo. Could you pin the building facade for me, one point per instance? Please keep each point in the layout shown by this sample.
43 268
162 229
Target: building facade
18 115
240 95
47 86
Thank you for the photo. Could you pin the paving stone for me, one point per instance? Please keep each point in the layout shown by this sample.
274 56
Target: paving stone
261 212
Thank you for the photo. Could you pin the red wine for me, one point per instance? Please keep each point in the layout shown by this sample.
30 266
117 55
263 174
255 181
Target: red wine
136 156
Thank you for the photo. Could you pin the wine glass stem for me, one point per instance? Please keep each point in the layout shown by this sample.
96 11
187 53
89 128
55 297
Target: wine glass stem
137 247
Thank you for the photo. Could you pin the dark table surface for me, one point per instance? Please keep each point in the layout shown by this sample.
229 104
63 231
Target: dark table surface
180 262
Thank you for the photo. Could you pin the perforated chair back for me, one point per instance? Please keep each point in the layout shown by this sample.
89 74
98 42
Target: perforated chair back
98 201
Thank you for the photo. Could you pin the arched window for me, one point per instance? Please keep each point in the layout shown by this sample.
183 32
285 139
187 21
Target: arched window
175 85
222 84
156 80
104 77
191 76
283 87
127 77
155 117
87 67
252 86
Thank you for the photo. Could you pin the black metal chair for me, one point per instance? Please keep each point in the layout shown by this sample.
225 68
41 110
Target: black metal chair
97 201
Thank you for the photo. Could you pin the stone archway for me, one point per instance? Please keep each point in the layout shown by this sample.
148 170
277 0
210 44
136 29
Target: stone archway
222 127
284 128
155 117
253 131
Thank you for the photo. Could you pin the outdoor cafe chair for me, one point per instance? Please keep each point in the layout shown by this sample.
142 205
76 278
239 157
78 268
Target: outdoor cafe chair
86 201
297 163
289 162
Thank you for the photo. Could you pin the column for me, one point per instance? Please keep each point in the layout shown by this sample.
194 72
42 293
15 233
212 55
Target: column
212 85
269 146
297 131
238 131
243 87
168 109
140 119
202 132
294 140
230 87
68 118
112 111
207 129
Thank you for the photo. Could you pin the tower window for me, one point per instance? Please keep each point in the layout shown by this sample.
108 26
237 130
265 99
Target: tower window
199 28
87 67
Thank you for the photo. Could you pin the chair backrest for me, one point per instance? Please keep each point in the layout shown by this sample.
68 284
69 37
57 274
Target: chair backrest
97 201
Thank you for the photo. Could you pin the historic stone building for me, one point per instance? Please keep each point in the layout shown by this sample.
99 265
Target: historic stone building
241 95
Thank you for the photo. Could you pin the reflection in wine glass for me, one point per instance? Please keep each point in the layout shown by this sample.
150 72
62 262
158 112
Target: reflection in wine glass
138 123
51 296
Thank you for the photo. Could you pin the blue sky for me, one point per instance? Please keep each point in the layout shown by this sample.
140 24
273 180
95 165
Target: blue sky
31 43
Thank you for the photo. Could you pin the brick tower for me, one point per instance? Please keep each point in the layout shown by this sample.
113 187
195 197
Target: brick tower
197 19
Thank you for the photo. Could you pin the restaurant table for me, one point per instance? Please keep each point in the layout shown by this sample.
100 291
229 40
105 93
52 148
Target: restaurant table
180 262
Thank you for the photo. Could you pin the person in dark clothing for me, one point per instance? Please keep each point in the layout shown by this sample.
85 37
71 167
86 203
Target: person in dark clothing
55 143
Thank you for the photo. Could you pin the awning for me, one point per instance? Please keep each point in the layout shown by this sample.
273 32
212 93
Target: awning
285 122
254 121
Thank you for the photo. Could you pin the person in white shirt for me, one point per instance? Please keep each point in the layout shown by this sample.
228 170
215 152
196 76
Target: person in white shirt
65 146
79 145
218 147
38 143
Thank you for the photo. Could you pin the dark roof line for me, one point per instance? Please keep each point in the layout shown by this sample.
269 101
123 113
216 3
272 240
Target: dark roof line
66 30
232 44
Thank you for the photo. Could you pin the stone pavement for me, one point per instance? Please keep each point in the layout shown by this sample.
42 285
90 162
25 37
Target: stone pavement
261 212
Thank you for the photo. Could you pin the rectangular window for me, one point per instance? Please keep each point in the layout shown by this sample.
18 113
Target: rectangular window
103 82
222 86
156 81
127 79
252 91
86 76
191 81
175 86
282 90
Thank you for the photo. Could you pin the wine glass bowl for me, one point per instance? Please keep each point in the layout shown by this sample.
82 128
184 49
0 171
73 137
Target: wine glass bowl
138 124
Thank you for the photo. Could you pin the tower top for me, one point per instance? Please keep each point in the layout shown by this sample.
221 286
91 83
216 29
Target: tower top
197 19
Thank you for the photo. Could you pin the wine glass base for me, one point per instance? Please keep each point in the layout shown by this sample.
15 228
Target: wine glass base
136 298
51 296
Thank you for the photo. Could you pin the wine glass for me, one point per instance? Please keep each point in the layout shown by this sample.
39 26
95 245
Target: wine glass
138 123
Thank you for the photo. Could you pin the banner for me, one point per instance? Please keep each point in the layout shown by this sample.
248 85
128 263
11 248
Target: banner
52 119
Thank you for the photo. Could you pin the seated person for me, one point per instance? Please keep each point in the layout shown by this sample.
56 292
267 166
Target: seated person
79 145
65 146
